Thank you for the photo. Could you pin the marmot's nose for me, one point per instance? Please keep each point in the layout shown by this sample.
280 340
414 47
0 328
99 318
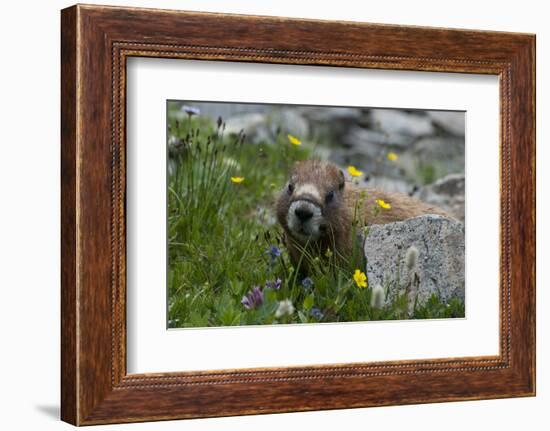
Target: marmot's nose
303 214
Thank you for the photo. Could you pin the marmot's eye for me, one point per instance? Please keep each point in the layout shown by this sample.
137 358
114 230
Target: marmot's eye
329 197
290 188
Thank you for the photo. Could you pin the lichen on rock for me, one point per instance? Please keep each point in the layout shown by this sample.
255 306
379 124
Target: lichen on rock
439 265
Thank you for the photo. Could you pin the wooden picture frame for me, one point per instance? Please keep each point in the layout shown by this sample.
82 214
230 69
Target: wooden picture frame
95 43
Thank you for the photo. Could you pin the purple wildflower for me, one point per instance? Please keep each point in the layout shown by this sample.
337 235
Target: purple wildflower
315 312
253 299
275 285
190 110
307 282
274 252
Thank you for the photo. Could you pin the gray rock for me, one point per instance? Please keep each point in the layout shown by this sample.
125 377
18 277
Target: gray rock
228 110
327 123
431 158
369 149
448 193
389 184
452 122
323 114
438 269
352 156
261 127
362 137
392 121
250 123
288 120
378 170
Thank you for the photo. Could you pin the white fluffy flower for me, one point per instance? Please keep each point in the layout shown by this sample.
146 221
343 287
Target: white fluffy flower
378 297
411 257
285 308
230 162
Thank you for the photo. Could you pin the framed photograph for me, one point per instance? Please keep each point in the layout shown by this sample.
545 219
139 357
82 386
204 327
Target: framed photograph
265 214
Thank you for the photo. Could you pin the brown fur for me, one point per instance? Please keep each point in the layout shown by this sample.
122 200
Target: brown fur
344 208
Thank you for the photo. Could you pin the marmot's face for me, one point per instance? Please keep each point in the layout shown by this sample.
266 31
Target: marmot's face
311 198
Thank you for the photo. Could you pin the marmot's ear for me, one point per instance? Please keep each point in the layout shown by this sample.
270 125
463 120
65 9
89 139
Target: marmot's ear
341 179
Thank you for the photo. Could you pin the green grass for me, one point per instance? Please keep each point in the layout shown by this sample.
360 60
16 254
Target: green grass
219 234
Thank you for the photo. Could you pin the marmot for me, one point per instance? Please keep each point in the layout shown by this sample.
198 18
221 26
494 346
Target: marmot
317 209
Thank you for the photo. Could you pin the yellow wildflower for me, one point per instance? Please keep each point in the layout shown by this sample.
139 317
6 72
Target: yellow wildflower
360 278
354 172
294 140
237 180
383 204
392 157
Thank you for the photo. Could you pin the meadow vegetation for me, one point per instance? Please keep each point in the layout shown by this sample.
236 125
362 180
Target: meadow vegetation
227 264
